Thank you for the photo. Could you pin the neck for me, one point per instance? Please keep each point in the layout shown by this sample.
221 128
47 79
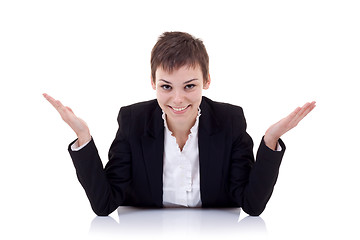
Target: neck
180 129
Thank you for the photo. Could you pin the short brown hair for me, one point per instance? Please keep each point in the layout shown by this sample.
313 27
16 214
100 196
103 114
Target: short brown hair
176 49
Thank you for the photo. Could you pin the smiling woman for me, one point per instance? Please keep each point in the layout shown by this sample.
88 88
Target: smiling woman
181 149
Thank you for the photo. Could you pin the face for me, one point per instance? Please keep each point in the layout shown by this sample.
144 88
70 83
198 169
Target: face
179 94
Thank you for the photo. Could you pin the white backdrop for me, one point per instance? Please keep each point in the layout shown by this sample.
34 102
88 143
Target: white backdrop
267 56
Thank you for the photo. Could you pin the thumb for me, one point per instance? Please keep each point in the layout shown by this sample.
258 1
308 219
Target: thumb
68 108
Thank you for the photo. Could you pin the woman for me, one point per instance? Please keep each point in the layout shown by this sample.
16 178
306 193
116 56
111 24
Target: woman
181 149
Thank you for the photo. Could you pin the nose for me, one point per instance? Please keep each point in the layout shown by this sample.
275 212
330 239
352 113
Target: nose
178 98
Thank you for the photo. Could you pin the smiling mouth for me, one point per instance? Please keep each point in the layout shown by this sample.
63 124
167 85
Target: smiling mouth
179 109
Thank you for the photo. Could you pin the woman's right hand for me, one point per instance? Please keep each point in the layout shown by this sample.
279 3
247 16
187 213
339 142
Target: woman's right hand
77 124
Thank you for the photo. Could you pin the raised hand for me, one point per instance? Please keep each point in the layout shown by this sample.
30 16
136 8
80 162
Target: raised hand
276 130
77 124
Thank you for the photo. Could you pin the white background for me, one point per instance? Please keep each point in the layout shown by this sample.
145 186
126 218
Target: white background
267 56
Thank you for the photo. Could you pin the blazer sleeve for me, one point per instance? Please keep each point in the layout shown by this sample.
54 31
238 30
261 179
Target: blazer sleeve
252 182
105 188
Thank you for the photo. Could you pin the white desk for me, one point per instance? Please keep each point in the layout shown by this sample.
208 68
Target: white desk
178 222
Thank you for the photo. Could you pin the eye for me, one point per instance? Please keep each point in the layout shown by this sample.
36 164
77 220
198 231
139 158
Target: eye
190 86
166 87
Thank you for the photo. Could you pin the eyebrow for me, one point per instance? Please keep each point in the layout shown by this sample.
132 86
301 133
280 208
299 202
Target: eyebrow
188 81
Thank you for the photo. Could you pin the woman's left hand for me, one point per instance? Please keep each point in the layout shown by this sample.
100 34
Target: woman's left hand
276 130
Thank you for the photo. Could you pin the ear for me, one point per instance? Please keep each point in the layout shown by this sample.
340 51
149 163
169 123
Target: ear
207 83
153 83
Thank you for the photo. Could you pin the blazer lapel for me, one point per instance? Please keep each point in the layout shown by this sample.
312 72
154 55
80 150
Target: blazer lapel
211 146
153 149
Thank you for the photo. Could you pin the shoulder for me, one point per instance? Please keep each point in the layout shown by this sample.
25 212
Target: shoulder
140 111
216 116
140 108
150 104
138 117
221 108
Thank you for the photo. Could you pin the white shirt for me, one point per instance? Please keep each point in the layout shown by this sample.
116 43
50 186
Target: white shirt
181 174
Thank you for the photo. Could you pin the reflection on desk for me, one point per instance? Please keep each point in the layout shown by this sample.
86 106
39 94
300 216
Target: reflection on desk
177 222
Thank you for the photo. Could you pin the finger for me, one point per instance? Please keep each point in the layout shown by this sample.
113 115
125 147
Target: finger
57 105
312 105
48 97
53 102
302 109
306 109
294 113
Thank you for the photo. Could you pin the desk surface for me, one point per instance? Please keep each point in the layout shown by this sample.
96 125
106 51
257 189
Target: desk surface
177 222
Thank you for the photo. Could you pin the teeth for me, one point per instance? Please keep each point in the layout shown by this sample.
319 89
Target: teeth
179 109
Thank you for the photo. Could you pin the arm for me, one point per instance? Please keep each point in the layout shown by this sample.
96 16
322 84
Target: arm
262 179
252 183
104 188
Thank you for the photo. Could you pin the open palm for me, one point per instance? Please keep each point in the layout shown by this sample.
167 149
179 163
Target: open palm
276 130
77 124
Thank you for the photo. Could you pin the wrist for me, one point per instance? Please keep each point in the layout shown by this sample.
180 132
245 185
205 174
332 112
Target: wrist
83 138
271 142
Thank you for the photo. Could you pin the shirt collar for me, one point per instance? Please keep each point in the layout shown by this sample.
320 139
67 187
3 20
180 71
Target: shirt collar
192 129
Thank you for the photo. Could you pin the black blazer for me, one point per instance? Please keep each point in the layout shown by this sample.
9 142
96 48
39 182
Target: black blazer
229 176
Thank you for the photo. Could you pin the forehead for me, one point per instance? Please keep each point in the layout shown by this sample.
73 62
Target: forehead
181 73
